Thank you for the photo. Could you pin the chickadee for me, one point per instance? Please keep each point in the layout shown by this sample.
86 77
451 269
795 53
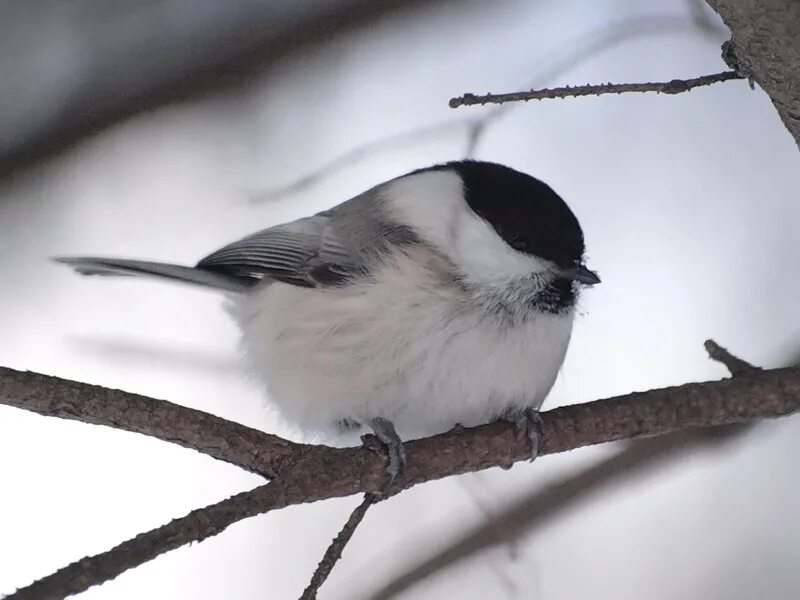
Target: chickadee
440 297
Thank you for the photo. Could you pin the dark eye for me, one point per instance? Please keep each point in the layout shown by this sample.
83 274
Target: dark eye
519 244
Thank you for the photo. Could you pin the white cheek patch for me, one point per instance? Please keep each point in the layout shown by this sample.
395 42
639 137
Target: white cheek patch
433 204
428 202
485 257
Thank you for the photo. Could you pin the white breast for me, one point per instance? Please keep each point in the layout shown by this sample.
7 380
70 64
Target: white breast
407 347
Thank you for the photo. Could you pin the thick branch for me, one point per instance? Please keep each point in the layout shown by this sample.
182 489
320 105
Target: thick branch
676 86
225 440
524 516
317 472
765 46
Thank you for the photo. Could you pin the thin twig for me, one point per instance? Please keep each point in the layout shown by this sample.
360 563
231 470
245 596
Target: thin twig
243 446
577 50
196 526
734 364
524 516
676 86
552 64
318 472
334 551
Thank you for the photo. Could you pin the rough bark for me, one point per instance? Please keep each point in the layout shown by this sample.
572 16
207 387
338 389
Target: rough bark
766 46
310 473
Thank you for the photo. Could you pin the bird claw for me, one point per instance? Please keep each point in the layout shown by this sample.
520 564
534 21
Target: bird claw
385 432
528 423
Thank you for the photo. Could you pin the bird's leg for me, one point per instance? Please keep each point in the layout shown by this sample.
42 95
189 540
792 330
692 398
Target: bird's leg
528 423
385 432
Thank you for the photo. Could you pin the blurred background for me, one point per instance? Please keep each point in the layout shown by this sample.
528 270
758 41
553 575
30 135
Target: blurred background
162 129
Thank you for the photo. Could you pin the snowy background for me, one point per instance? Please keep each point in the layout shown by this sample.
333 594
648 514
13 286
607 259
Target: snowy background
690 209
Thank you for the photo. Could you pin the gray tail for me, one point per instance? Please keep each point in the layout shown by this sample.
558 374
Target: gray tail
93 265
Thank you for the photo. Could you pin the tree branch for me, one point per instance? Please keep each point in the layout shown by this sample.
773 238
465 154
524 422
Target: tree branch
548 66
334 551
311 473
676 86
524 516
194 527
248 448
764 46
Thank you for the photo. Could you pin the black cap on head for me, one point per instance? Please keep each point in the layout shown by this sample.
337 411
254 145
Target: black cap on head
524 211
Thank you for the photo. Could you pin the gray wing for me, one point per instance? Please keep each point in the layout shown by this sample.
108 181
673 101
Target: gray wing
325 249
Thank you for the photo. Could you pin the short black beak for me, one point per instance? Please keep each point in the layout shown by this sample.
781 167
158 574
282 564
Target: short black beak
582 274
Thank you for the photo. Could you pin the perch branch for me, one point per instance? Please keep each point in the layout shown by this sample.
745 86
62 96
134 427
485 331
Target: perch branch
219 438
312 473
676 86
522 517
334 551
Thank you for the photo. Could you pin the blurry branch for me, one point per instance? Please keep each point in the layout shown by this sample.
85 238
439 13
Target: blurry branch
150 354
675 86
764 46
556 63
525 515
361 152
334 551
150 54
306 473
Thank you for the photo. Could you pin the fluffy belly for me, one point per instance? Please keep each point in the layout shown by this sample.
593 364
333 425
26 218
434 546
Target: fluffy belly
423 356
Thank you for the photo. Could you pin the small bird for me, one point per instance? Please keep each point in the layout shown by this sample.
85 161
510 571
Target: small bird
445 296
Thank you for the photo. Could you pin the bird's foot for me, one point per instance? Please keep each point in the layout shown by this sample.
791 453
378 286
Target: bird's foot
528 423
345 425
385 432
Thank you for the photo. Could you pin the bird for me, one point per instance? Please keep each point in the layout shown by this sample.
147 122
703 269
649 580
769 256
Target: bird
442 297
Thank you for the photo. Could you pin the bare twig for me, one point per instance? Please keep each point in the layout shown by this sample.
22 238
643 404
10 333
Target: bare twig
245 447
735 365
676 86
524 516
334 551
568 55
